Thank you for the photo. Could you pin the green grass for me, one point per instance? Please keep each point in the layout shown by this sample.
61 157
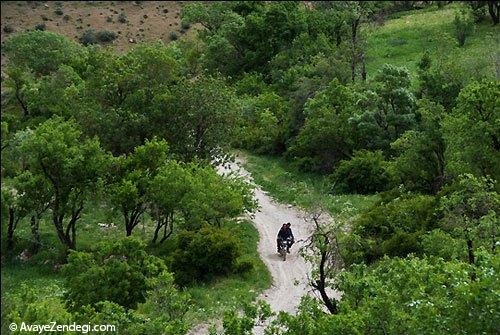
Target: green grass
402 41
305 190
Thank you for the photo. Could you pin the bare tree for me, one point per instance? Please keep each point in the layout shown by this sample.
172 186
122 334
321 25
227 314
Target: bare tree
322 250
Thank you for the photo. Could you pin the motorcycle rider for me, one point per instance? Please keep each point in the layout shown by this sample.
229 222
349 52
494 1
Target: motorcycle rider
285 233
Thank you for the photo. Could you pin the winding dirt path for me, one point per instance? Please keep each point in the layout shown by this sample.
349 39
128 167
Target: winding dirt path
290 277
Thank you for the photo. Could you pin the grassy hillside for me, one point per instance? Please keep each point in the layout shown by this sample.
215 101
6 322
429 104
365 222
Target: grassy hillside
401 41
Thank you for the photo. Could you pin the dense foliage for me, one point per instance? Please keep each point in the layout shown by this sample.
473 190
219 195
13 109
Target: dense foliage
140 135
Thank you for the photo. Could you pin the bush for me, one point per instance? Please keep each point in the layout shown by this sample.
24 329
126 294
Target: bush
478 10
122 18
392 227
40 27
59 11
464 26
185 25
106 36
92 37
8 28
89 37
366 172
27 306
204 254
115 271
173 36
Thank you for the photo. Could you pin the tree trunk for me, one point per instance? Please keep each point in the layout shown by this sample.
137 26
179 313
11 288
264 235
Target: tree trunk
36 234
320 285
170 223
470 252
363 67
494 9
10 229
159 224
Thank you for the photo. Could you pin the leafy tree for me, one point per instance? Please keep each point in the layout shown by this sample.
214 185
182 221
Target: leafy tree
203 254
72 165
326 137
166 193
392 227
387 110
124 92
30 196
464 26
366 172
130 189
43 52
420 161
470 208
118 271
440 81
197 118
245 37
262 125
472 132
213 197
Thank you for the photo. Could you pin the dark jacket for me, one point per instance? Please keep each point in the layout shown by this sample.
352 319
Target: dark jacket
285 233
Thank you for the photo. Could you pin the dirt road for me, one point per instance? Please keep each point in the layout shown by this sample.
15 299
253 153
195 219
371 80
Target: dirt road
290 277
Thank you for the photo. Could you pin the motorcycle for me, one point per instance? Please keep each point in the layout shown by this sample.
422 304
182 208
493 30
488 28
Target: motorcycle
284 245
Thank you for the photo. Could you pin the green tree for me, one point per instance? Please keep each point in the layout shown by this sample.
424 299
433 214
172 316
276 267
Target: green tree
366 172
472 132
470 208
43 52
166 193
420 153
405 296
118 271
72 166
261 127
464 26
386 110
122 94
197 118
129 190
327 136
212 197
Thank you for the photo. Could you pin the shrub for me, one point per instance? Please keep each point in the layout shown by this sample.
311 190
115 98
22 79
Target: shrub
392 227
27 306
89 37
41 27
185 25
203 254
106 36
8 28
366 172
477 10
59 11
92 37
173 36
116 271
122 18
464 26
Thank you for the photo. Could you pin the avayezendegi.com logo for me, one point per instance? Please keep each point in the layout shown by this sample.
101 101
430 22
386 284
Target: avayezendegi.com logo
54 327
